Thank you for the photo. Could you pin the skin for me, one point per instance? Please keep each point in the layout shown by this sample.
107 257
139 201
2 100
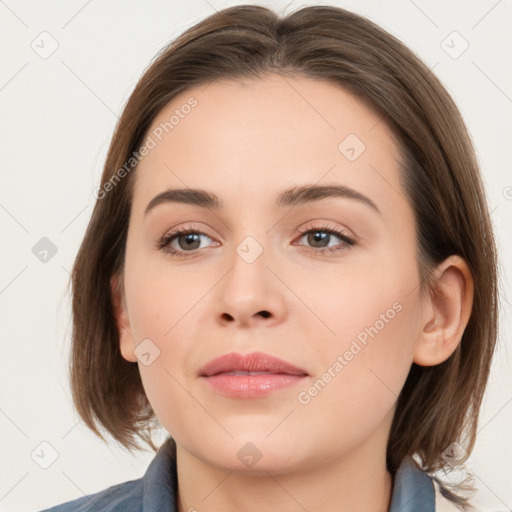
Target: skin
246 143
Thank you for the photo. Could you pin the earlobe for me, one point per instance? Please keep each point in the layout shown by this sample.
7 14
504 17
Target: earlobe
446 312
126 341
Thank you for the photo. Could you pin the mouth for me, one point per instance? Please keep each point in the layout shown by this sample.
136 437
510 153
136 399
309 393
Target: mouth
250 376
255 363
241 372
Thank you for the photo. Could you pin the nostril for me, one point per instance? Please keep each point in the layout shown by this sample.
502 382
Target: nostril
264 314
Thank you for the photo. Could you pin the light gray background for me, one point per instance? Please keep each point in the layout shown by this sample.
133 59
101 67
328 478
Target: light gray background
57 116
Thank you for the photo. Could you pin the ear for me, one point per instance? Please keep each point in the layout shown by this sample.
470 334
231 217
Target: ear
126 341
445 312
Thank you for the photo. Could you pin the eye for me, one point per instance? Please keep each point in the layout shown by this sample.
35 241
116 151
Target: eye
185 241
181 241
320 239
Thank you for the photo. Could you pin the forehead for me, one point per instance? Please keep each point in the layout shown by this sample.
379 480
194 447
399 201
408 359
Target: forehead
252 139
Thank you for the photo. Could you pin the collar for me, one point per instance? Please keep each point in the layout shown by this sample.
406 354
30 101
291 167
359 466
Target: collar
160 482
413 490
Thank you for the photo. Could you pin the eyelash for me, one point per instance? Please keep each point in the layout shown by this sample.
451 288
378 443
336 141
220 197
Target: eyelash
165 241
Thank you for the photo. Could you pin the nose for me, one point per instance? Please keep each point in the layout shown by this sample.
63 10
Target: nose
249 295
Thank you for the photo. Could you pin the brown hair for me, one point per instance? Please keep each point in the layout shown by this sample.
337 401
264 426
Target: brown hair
437 405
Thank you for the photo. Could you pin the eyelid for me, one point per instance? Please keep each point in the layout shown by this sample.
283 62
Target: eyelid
327 226
192 228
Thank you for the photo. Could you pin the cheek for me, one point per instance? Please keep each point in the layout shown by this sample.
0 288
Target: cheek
376 300
358 383
373 319
163 307
162 297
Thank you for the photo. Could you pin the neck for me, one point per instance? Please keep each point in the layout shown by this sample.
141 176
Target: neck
356 481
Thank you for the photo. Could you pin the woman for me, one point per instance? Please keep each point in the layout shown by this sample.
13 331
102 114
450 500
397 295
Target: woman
291 267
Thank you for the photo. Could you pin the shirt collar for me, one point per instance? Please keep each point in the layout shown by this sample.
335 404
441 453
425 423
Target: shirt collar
413 490
160 481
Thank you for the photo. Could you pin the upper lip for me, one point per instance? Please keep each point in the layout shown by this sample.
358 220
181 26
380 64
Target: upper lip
254 362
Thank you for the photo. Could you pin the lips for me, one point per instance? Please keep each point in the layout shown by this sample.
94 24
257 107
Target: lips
250 376
255 363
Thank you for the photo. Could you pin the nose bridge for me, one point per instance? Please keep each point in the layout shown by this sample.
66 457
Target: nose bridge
248 277
249 292
250 241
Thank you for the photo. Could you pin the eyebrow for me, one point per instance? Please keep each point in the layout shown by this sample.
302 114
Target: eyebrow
290 197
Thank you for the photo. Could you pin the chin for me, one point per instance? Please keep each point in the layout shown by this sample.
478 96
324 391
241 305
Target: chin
253 453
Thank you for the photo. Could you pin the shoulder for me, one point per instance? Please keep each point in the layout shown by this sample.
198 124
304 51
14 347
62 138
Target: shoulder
126 497
415 490
156 490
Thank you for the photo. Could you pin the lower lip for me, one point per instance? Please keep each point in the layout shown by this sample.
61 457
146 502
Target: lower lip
251 386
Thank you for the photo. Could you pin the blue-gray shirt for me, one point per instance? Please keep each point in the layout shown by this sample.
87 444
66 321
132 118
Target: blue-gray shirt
413 490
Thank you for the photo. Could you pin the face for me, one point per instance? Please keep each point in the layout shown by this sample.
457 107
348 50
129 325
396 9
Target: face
325 280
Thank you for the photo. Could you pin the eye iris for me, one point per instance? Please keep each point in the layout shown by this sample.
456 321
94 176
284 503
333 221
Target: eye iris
191 239
317 236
